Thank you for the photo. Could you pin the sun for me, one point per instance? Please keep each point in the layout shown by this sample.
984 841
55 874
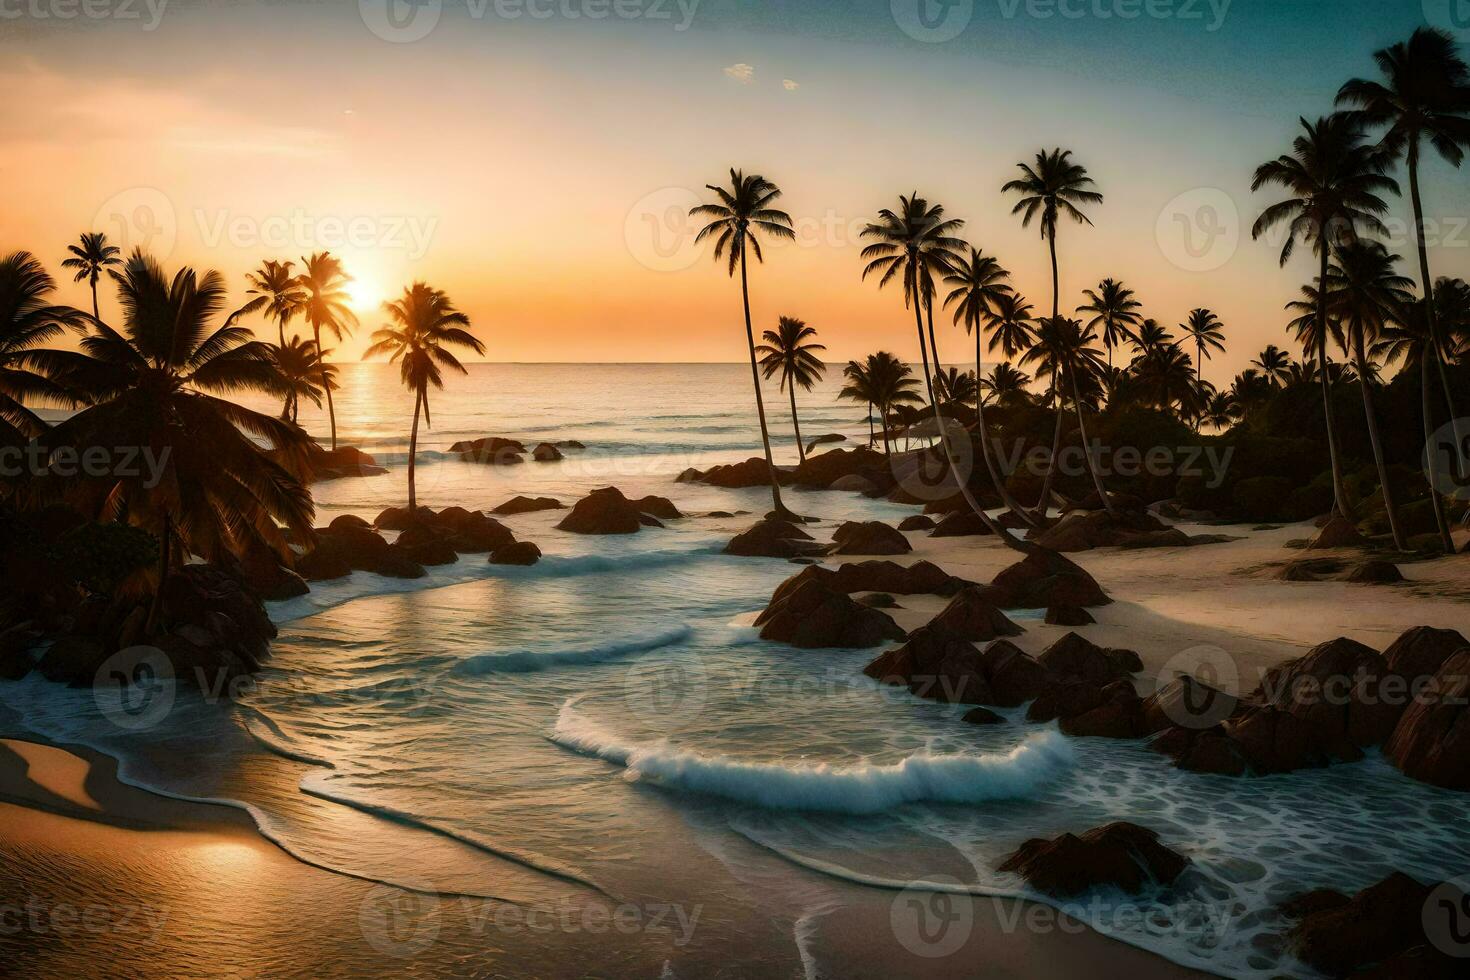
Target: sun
364 294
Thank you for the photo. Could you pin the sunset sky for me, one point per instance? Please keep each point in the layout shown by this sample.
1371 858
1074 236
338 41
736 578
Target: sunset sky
524 163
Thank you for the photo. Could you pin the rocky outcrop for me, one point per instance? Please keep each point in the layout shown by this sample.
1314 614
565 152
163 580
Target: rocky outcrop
516 553
1045 579
936 664
266 575
606 511
1099 529
492 450
813 616
426 544
1076 658
1431 741
546 453
772 538
960 524
821 471
754 472
868 538
918 522
661 507
1068 616
1337 690
527 505
1381 926
1338 532
1120 855
878 576
824 440
971 616
336 464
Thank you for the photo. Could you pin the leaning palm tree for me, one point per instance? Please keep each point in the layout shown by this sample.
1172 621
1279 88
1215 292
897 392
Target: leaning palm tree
1115 312
1208 333
1053 186
92 256
29 322
278 292
163 381
1334 179
324 283
1064 351
302 369
979 294
742 213
1369 296
423 326
788 352
1272 363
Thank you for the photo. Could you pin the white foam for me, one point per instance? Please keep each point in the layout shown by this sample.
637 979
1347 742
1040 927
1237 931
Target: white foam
867 788
530 661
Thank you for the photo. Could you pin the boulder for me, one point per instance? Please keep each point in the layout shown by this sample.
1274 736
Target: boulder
661 507
1068 616
754 472
1074 657
1336 689
432 549
516 553
546 453
878 600
868 538
1374 573
1014 676
395 564
1419 653
918 522
1121 855
1098 529
824 440
1210 751
398 518
822 470
1187 702
1119 715
320 565
853 483
342 521
971 616
604 511
1431 742
526 505
268 577
878 576
1045 579
1379 922
1311 570
344 461
773 539
937 665
491 450
982 716
814 616
960 524
1338 532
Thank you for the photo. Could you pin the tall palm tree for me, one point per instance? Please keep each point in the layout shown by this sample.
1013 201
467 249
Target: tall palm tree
979 293
163 381
1115 312
278 292
423 326
1011 323
91 257
302 370
1208 333
1272 363
787 351
742 214
1064 350
1334 179
882 381
28 323
324 282
1369 296
1051 187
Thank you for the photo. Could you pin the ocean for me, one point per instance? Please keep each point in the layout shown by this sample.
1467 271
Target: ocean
607 726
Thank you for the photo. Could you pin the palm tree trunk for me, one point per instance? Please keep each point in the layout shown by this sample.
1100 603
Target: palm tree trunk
871 437
796 423
1339 491
755 377
413 448
1393 516
1427 409
883 420
281 329
984 433
1056 289
1051 467
96 313
322 363
1097 483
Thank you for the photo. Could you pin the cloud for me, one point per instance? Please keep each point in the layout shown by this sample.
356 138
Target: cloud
741 72
789 85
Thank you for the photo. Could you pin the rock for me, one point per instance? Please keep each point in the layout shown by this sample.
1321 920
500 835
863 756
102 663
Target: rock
1276 741
344 461
1045 579
395 564
604 511
773 539
868 538
1375 924
1337 690
348 521
1338 532
267 576
1168 538
1014 676
72 660
1099 529
1431 742
1121 855
878 600
1065 699
1419 653
918 522
1068 616
824 440
526 505
398 518
1210 752
937 665
982 716
516 553
960 524
429 550
878 576
853 483
546 453
320 565
754 472
1187 702
814 616
1074 657
824 469
491 450
971 616
1375 573
1120 715
661 507
1310 570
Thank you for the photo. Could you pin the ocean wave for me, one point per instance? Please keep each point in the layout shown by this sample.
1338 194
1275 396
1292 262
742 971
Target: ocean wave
275 740
530 661
559 566
868 788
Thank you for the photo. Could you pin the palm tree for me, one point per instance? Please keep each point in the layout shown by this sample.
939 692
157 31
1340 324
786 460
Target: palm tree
162 382
28 369
1064 350
1207 332
956 387
1006 385
91 256
1115 310
1222 411
1053 186
1150 336
1334 178
743 211
882 380
325 284
277 291
786 351
1368 296
979 294
1010 322
302 369
1168 382
1272 364
424 325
